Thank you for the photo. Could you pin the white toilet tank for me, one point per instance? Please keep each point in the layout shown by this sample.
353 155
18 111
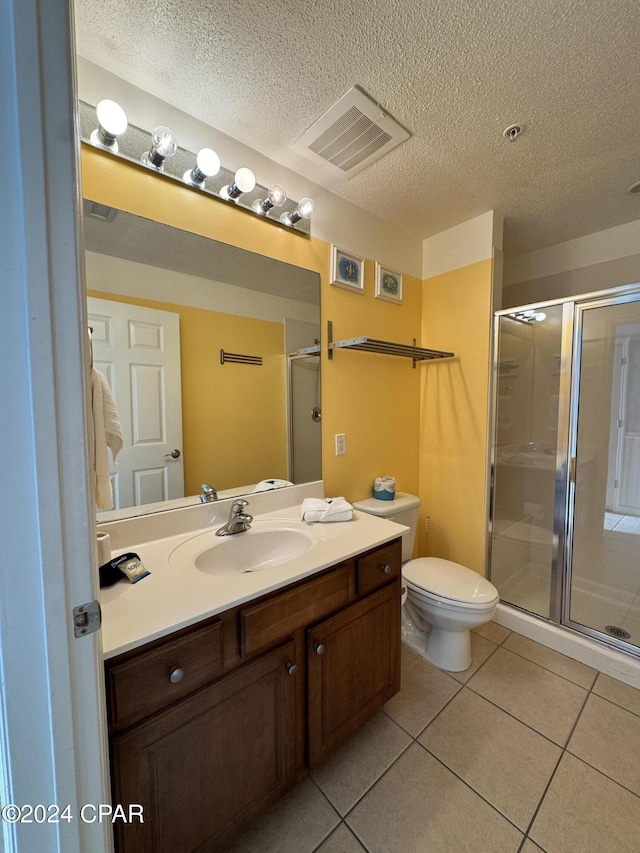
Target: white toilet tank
403 510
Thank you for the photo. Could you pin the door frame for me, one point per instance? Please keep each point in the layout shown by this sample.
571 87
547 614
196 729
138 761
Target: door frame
51 684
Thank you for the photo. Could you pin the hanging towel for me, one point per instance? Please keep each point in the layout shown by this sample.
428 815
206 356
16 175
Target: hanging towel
267 485
106 433
329 509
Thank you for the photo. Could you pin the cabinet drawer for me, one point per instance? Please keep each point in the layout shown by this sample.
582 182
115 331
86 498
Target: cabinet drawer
265 623
143 684
379 567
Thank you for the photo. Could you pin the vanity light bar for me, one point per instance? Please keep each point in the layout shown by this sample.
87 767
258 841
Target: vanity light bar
238 358
187 167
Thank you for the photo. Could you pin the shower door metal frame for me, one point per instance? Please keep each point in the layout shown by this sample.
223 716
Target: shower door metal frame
558 550
602 299
563 523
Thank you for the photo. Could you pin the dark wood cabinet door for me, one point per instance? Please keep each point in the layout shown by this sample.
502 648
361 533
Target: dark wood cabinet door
353 668
206 768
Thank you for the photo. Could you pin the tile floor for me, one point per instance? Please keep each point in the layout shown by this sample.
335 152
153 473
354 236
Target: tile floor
527 750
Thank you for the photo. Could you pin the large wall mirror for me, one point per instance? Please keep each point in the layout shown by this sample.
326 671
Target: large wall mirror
206 348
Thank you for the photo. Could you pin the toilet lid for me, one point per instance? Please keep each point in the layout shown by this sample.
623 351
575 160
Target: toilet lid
449 580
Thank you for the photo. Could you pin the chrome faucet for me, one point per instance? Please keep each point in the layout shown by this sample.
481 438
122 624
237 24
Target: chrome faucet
239 520
209 494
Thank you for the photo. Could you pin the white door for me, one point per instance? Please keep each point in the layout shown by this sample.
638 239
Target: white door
138 350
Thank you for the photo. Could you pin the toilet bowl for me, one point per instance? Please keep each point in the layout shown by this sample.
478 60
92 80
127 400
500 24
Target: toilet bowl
444 601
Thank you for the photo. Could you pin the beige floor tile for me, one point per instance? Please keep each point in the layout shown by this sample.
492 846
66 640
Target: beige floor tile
425 691
618 692
419 806
481 650
300 821
341 840
530 847
584 812
502 759
353 769
607 737
492 631
562 665
541 699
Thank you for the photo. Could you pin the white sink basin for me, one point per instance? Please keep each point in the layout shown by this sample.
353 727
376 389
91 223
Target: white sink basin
265 545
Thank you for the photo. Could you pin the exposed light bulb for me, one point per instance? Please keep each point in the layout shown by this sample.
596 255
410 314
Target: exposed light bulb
207 165
243 182
163 144
540 316
276 197
112 122
304 210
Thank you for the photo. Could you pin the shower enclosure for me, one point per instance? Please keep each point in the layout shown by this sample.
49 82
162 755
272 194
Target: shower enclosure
305 417
565 502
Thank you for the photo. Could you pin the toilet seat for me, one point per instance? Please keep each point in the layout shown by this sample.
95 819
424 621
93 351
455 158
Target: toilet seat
436 578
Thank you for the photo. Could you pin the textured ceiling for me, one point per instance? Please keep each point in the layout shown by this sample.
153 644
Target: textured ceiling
454 72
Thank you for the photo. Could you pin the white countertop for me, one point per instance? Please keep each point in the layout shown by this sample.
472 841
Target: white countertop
175 596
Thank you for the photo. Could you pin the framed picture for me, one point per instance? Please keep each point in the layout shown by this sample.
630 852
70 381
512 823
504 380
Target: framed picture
388 284
347 270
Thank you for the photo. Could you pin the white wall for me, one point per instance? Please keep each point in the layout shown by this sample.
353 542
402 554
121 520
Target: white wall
130 278
598 261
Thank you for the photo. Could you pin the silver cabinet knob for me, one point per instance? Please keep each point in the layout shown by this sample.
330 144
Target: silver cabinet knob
176 675
292 668
385 569
319 648
175 454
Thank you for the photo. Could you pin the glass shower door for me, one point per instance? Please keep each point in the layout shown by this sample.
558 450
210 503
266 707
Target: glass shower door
604 508
527 389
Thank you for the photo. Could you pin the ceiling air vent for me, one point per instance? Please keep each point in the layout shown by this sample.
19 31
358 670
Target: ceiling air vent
352 134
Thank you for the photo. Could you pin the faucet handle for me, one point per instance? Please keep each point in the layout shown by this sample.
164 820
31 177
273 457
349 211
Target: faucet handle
238 506
208 493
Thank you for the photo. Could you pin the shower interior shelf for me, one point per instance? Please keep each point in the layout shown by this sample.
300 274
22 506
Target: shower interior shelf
366 344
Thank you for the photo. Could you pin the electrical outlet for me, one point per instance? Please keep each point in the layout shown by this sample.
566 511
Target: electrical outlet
341 444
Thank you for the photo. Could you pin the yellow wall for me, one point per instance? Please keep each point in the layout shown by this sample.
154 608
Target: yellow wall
457 310
231 406
373 399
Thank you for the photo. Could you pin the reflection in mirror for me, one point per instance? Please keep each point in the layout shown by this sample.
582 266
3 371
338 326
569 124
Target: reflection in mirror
163 304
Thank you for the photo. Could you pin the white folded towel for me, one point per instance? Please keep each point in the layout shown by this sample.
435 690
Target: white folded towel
326 509
267 485
106 433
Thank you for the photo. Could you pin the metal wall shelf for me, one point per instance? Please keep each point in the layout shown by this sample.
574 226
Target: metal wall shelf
366 344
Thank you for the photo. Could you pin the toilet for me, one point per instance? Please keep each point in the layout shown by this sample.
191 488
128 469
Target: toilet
443 600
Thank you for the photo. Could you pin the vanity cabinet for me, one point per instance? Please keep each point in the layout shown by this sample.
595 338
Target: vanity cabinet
212 724
354 668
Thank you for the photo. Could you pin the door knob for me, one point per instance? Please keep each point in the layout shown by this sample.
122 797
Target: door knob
385 569
319 648
292 668
175 454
